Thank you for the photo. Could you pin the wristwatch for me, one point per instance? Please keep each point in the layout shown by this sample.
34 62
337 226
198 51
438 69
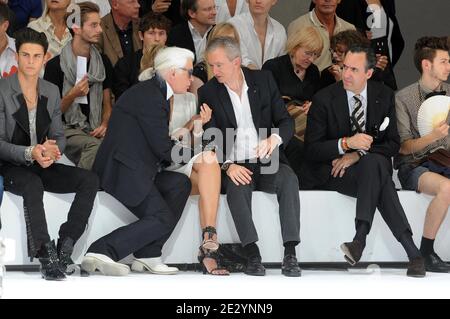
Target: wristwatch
225 166
28 155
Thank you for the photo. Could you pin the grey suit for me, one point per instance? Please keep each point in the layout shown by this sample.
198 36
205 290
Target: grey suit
11 115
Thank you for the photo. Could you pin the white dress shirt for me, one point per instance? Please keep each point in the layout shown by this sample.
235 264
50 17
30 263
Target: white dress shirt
8 64
223 13
351 106
274 45
199 41
247 139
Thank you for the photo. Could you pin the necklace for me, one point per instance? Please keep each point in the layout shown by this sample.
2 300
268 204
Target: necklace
30 101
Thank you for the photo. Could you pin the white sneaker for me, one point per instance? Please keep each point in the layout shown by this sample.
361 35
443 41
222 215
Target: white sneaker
106 265
153 265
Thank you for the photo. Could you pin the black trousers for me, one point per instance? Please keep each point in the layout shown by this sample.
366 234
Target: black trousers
158 215
370 181
30 182
284 183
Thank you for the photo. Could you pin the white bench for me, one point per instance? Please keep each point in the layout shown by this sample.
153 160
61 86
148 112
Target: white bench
327 220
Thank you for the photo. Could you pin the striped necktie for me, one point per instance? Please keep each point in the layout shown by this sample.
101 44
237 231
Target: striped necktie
358 115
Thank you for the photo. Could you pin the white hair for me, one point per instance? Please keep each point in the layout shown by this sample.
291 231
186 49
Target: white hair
171 58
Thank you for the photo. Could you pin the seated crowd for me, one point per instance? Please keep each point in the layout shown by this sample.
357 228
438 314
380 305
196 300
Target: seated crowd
158 100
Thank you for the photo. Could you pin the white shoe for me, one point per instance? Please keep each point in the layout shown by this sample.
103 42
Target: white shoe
153 265
106 265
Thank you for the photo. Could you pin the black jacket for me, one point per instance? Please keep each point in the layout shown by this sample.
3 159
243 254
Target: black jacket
329 120
137 144
126 73
267 107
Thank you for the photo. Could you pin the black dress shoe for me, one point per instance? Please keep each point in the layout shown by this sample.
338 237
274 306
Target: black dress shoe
352 251
435 264
416 268
290 267
255 267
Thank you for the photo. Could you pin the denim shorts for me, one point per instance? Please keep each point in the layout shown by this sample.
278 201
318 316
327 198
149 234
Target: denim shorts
409 176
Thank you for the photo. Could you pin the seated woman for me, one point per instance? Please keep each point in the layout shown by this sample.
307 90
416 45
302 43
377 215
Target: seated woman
202 74
340 43
297 78
203 169
53 24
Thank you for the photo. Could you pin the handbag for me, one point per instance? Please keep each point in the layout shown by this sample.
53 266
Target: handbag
440 157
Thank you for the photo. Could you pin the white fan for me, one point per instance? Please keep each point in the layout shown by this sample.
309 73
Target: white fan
432 112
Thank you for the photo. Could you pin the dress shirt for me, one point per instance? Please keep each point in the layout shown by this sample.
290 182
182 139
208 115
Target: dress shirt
274 45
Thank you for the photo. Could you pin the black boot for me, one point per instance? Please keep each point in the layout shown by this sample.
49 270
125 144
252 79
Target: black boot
65 249
50 267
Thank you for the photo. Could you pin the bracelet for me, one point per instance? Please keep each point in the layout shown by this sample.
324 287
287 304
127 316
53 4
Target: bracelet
29 154
344 144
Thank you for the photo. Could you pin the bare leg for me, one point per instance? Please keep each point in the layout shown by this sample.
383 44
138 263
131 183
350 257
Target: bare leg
206 176
438 186
206 171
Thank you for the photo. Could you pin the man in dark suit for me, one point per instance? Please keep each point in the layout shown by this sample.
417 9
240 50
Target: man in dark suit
200 16
249 104
129 163
350 138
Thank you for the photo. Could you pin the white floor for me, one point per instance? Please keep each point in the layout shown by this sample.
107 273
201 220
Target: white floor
357 283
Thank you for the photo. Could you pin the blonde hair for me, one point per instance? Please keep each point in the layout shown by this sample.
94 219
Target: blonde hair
220 30
308 38
149 54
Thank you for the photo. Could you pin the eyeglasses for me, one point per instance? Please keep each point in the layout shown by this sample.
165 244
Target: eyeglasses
189 71
311 54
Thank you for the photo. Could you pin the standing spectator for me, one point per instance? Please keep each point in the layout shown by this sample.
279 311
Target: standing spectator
226 9
262 37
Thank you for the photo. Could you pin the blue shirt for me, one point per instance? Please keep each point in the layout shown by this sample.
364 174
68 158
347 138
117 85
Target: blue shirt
24 10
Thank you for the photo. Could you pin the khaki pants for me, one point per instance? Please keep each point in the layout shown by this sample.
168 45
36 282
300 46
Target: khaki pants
81 148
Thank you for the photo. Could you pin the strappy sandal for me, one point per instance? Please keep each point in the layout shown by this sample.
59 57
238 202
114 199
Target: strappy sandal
217 271
209 243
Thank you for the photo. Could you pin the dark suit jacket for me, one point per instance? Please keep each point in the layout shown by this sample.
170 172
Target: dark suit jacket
267 107
137 144
180 36
126 73
329 120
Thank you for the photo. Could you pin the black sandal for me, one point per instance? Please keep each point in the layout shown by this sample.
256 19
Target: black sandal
204 253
